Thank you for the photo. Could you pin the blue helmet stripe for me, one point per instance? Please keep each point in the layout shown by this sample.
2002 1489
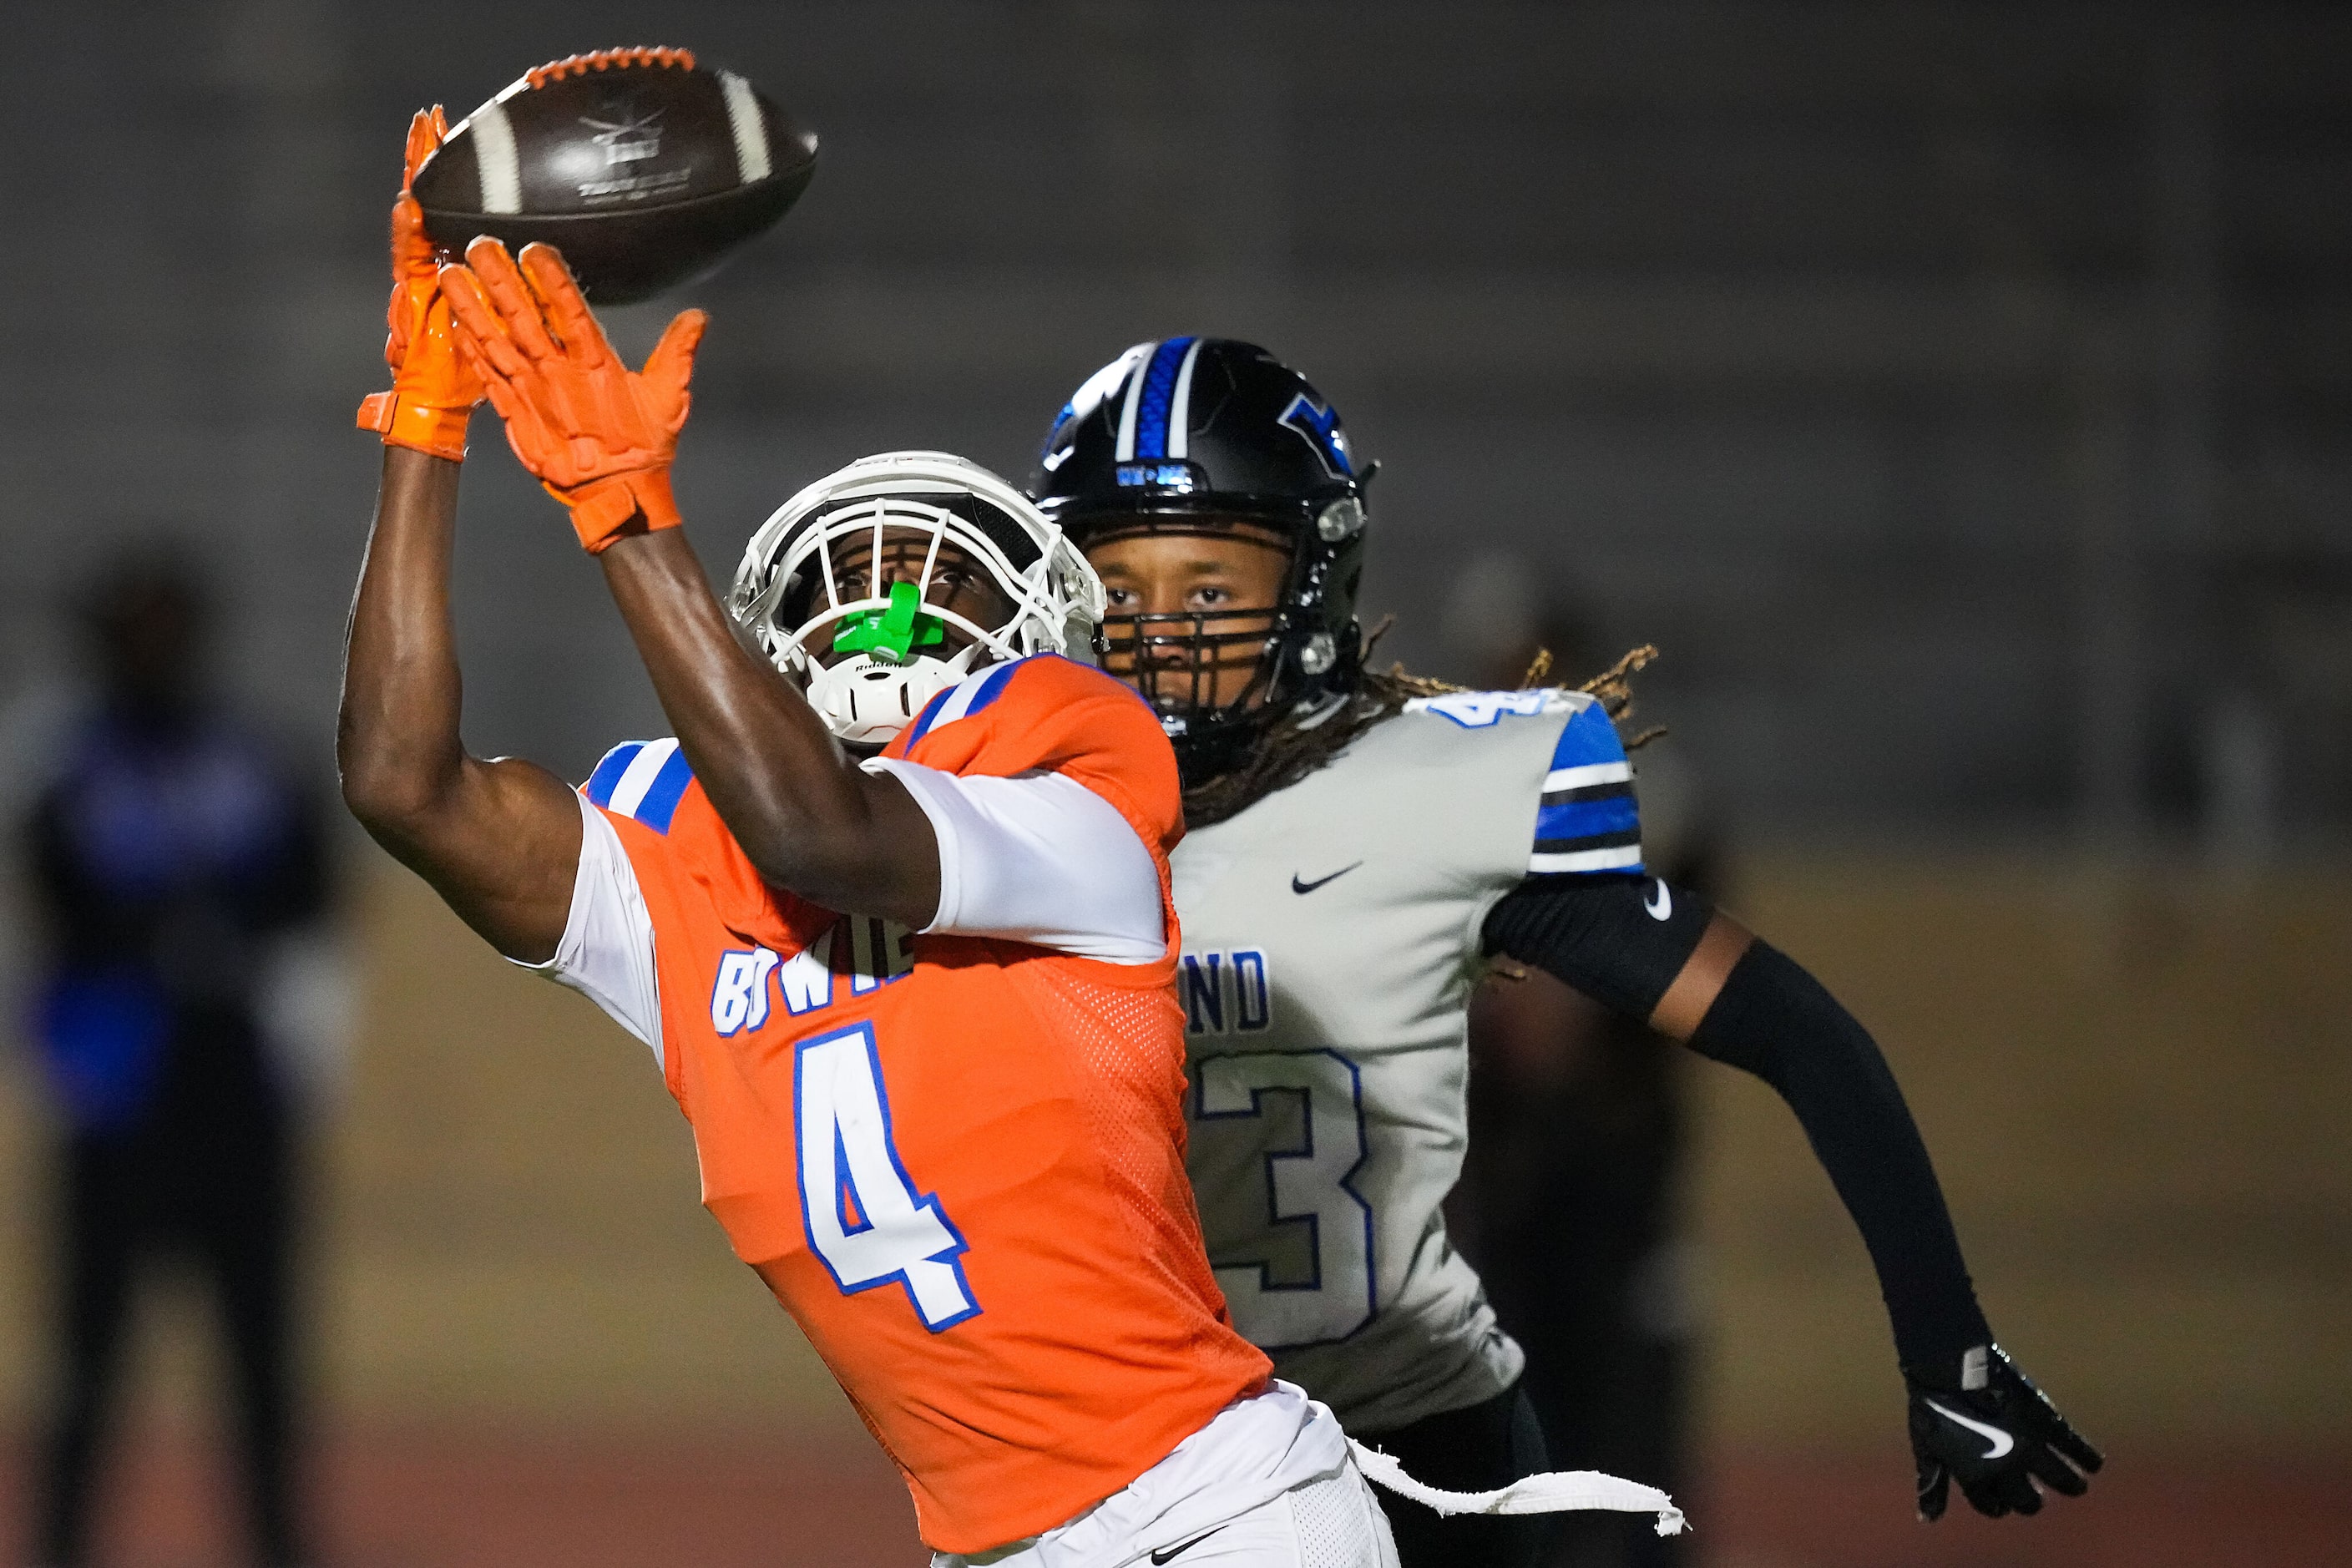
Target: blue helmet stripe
1159 397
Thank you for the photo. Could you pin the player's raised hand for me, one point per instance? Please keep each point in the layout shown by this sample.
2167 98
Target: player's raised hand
434 389
415 266
1985 1425
598 436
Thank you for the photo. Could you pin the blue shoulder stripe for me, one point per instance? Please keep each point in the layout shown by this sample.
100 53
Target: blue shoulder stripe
1587 738
992 687
1588 821
929 715
599 787
966 696
642 779
661 798
1588 818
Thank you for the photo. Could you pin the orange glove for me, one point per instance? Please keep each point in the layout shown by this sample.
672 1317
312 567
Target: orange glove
598 436
434 389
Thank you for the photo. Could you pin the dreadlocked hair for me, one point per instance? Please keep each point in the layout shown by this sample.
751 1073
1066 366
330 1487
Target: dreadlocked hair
1294 748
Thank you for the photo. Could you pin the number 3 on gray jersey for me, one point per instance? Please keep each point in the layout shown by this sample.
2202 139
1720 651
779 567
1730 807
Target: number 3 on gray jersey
1290 1295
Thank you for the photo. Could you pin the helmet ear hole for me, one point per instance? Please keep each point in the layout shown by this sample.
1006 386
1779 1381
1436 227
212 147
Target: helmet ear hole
1343 518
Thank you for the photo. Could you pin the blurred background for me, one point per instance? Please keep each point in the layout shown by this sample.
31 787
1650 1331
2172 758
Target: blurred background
1957 393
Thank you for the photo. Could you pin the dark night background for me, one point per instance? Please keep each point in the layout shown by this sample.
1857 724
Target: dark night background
1956 393
1960 394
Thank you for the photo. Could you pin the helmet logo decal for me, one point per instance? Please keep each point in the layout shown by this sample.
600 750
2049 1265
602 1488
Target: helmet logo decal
1176 478
1319 427
1159 403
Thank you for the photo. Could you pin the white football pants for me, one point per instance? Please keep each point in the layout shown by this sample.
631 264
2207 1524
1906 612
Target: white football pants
1332 1521
1320 1515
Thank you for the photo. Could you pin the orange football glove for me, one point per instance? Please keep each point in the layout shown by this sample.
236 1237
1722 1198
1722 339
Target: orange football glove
434 389
598 436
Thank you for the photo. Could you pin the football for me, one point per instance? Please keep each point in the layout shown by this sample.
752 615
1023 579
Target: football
643 168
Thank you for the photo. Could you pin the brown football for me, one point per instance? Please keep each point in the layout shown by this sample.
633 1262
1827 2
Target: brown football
645 169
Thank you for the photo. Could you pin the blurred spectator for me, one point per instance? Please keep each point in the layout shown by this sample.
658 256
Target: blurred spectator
1570 1193
170 858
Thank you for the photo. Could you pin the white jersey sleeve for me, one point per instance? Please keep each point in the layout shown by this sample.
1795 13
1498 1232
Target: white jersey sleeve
1038 859
1586 821
608 951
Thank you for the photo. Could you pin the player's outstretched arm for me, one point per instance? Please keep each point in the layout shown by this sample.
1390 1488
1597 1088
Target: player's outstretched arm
1660 955
499 841
804 811
600 437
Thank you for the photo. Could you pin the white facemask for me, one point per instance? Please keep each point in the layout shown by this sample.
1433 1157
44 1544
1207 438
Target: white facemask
895 499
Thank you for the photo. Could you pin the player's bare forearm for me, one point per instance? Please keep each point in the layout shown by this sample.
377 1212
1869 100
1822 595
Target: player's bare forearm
499 841
603 437
396 736
807 816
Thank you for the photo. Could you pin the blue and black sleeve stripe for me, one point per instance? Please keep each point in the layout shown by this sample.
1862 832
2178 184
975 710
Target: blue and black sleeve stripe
1588 821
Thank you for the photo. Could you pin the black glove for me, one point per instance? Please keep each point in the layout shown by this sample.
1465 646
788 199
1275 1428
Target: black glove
1984 1424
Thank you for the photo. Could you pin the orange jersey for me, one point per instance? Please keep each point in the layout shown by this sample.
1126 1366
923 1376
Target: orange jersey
958 1162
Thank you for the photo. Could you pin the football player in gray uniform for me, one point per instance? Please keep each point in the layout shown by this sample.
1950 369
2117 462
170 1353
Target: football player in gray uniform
1360 845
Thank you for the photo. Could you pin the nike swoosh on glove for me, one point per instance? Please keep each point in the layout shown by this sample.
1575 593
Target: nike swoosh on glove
1986 1425
598 436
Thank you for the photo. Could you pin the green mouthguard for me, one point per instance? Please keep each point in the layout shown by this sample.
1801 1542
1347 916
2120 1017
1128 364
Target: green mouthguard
892 635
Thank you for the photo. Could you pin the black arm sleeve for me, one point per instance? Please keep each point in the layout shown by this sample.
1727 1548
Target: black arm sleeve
1618 940
1608 939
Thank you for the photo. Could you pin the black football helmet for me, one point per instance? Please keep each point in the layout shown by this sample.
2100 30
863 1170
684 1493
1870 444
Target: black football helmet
1208 435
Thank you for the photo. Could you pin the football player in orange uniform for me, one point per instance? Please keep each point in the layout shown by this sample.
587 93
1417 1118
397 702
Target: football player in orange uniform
917 1005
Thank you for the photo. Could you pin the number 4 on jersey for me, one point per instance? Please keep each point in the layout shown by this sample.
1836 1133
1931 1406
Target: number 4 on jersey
865 1219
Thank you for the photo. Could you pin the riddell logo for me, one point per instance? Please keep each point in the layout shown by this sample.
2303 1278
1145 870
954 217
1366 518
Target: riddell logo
626 140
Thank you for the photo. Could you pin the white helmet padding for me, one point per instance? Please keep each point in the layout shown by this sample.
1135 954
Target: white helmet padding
789 572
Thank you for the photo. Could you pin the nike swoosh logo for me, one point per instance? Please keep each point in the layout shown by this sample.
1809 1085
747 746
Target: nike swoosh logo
1298 887
1661 902
1175 1551
2001 1441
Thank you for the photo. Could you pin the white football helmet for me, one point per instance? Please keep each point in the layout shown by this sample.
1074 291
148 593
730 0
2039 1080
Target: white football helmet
787 592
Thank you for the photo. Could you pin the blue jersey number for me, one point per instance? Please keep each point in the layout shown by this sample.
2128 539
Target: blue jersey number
864 1219
1306 1184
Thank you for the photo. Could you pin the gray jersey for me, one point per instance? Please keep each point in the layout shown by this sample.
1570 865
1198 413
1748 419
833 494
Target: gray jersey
1331 935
